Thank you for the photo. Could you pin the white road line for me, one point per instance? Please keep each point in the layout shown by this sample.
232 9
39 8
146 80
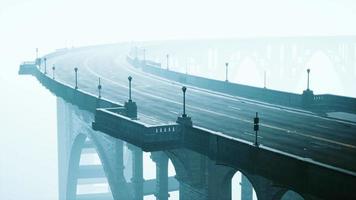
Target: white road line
236 98
235 108
250 134
225 115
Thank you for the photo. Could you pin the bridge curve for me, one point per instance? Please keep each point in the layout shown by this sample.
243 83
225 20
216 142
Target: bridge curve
201 137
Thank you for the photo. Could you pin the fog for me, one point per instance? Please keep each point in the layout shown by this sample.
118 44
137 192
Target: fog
28 154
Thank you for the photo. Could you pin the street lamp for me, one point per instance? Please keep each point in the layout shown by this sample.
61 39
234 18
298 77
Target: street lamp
45 65
36 53
99 88
264 80
167 61
53 69
226 71
256 122
76 77
130 79
144 55
184 89
308 71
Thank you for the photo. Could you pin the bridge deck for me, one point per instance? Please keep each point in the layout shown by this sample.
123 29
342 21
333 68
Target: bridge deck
300 133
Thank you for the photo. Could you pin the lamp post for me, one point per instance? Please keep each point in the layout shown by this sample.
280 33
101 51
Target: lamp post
256 122
167 61
45 65
76 77
184 89
36 53
130 79
226 71
144 55
99 88
264 80
308 71
53 69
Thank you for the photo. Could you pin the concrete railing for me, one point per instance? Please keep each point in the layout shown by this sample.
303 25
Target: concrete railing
136 132
335 103
321 103
78 97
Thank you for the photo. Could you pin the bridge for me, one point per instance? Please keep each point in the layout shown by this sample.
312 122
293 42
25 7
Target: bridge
298 148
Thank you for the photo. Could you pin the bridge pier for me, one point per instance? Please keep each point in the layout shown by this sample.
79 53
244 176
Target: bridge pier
265 189
201 178
137 172
161 161
119 158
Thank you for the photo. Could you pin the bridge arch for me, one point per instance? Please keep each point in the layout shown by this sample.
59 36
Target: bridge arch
290 195
247 72
178 165
73 166
324 77
117 182
241 186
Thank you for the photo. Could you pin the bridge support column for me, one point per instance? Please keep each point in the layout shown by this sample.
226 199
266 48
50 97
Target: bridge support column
266 189
119 158
201 178
137 172
161 161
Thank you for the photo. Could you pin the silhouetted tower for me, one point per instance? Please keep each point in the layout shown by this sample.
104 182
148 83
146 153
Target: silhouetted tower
130 106
308 71
308 95
264 79
184 89
226 71
76 77
167 61
144 55
45 65
53 69
184 119
256 122
99 88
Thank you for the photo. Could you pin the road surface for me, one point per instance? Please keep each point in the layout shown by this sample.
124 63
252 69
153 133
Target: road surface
301 133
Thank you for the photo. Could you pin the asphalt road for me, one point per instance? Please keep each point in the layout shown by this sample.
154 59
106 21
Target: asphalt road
297 132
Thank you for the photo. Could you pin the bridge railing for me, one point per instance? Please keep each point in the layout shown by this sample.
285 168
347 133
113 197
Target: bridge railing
335 103
320 103
135 131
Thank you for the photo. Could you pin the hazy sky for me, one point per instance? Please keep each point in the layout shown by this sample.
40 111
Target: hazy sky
58 23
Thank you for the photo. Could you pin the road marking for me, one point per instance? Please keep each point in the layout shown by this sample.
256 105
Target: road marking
322 126
236 98
174 112
223 115
251 134
235 108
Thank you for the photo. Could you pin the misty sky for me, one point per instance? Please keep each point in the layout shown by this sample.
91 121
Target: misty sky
59 23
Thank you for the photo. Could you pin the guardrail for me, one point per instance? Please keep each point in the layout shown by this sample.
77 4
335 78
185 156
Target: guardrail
319 103
148 137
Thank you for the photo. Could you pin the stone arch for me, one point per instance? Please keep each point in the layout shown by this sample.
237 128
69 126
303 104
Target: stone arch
289 195
233 173
73 166
323 78
117 183
247 72
178 164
